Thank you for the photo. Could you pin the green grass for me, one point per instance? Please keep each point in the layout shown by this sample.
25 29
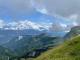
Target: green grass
70 50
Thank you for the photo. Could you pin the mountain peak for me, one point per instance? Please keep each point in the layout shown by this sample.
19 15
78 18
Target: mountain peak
22 25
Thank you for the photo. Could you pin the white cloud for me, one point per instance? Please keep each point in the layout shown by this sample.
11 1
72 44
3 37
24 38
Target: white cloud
58 27
73 17
2 23
60 7
39 6
42 10
26 24
63 25
75 24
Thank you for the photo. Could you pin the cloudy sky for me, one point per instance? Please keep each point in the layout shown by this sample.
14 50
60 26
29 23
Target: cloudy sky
19 9
15 8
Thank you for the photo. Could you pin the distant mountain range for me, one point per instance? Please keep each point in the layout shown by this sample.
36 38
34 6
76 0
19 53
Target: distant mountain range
27 45
26 27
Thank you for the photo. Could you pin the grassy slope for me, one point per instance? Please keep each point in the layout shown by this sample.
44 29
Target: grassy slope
70 50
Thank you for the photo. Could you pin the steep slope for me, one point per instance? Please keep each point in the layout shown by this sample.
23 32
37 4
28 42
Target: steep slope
74 31
70 50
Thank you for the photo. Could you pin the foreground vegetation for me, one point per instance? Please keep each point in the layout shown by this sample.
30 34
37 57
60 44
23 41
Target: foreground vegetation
70 50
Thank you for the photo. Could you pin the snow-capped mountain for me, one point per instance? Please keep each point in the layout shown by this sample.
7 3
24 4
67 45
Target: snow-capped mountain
22 25
19 28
